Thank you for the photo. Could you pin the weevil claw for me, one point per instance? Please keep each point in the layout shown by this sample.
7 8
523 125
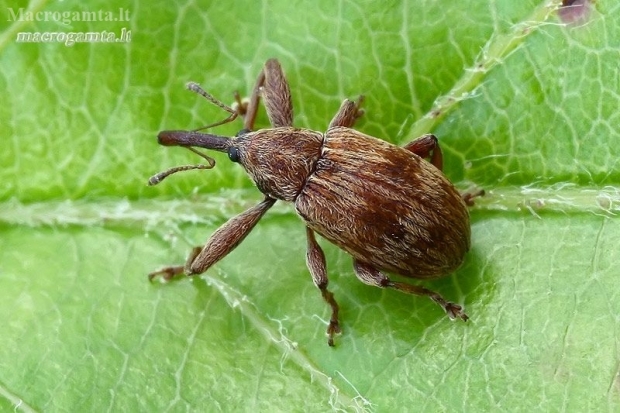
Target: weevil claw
454 311
332 329
469 196
167 273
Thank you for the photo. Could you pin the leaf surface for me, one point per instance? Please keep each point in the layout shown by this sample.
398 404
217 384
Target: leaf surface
524 105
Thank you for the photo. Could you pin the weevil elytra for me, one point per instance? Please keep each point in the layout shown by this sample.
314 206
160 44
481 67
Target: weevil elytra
385 205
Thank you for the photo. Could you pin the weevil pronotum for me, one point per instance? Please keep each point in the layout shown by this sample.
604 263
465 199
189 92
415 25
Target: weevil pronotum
390 209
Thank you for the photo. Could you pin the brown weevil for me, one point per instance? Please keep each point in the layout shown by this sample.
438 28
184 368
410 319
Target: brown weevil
385 205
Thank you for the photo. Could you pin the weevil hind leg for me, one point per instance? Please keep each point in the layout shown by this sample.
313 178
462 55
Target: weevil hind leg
371 276
315 259
469 196
348 113
427 146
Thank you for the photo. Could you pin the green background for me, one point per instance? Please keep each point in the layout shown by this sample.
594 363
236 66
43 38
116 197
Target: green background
525 107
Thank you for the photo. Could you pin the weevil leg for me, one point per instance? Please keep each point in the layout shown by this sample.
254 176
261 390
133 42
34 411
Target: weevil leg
423 146
427 146
276 95
272 86
315 259
371 276
227 237
168 273
222 242
251 108
348 113
470 195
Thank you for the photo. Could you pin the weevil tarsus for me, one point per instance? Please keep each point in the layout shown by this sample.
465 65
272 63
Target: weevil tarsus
241 104
168 273
469 195
372 276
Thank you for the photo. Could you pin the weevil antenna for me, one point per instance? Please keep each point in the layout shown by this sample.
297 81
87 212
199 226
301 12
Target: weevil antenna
195 87
187 139
210 160
157 178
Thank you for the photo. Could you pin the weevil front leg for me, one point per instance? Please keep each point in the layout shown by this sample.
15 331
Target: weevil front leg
371 276
272 86
168 273
222 242
315 259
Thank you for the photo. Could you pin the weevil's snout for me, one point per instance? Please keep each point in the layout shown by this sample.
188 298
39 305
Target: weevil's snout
169 138
193 138
190 140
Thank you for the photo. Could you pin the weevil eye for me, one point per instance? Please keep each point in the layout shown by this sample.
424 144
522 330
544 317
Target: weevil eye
233 154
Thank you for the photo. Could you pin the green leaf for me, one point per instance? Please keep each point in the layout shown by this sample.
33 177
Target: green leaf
524 105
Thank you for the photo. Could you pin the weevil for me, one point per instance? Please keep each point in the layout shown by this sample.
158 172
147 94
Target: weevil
387 206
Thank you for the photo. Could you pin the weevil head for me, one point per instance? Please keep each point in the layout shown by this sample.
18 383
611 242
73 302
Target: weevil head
279 160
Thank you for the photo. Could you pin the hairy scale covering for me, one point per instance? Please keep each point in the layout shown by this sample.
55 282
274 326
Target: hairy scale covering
279 160
385 206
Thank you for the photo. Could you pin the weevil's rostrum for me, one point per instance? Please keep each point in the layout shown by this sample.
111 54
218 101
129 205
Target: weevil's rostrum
385 205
